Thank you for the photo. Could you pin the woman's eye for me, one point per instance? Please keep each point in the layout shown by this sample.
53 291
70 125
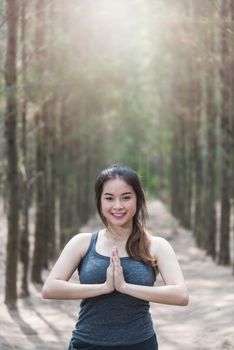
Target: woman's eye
108 198
126 198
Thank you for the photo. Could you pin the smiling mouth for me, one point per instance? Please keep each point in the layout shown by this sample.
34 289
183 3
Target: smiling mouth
118 215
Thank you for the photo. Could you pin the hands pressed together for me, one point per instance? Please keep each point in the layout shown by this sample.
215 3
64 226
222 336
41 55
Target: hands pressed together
114 276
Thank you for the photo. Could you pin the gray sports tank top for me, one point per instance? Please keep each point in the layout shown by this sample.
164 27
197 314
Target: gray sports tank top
115 318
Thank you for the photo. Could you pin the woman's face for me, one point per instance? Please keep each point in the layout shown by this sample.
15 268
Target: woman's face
118 203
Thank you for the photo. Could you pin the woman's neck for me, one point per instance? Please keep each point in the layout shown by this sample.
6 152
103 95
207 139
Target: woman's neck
118 233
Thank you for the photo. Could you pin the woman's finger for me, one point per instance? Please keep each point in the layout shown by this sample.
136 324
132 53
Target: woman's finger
113 255
116 257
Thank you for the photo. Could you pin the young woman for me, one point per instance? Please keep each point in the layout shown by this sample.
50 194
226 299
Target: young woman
117 269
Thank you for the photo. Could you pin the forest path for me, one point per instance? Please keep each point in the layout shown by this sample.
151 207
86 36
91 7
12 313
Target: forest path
206 323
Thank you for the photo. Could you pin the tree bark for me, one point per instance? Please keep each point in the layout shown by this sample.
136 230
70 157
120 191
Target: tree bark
224 247
211 111
25 190
196 105
232 119
11 153
40 244
52 123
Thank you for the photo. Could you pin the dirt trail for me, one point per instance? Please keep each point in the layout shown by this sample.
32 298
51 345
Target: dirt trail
206 323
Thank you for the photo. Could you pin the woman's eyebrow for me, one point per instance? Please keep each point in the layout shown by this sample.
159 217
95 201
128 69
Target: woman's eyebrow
122 194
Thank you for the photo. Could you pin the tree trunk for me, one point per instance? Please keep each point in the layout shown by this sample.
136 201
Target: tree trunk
11 150
186 170
52 135
224 253
52 159
40 244
198 166
211 111
25 192
178 157
173 173
232 119
45 110
196 107
63 186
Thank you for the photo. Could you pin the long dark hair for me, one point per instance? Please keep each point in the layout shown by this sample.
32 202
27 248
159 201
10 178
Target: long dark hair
137 245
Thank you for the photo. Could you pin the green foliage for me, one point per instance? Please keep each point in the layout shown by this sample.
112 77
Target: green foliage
121 75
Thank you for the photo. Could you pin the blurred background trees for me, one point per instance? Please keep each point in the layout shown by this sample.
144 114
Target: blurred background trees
85 85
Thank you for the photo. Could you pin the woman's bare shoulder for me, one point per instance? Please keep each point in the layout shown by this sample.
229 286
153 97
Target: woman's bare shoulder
82 236
81 242
159 244
158 240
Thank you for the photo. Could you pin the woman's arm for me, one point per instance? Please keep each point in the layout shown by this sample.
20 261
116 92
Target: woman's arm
57 285
174 292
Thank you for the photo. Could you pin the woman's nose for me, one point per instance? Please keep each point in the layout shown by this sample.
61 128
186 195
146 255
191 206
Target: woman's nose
118 204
